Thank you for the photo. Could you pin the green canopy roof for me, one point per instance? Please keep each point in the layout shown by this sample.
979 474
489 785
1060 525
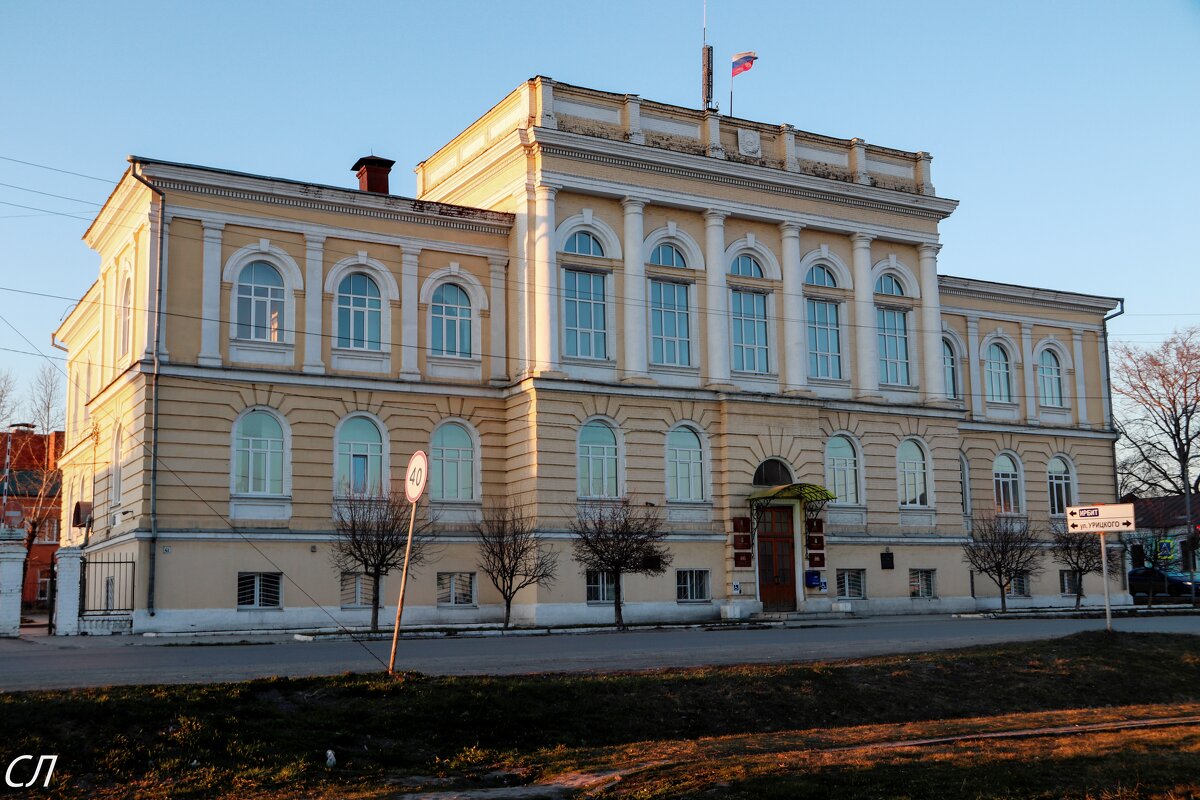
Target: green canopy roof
806 492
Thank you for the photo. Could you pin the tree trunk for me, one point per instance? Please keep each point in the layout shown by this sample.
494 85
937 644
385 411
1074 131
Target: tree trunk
1003 597
617 602
375 602
1079 594
507 610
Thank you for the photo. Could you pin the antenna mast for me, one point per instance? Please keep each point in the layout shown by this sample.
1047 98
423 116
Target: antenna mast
706 67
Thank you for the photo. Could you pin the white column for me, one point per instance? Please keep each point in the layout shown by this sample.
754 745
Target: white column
1027 369
210 296
66 599
12 573
974 365
545 282
795 348
865 337
634 328
1081 398
931 325
409 315
314 301
521 297
717 307
150 299
499 317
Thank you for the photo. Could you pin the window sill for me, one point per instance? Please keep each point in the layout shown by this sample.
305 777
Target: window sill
839 382
843 598
260 507
706 601
688 511
466 606
584 361
675 369
456 510
260 608
453 367
356 360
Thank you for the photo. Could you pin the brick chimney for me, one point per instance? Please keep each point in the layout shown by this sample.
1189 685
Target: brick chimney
372 173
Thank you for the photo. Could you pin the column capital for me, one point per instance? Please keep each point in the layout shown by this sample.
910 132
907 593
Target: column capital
314 239
790 228
861 239
714 217
212 228
547 190
928 249
630 203
409 255
497 263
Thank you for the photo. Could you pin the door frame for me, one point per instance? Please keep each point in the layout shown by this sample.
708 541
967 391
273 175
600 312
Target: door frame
797 508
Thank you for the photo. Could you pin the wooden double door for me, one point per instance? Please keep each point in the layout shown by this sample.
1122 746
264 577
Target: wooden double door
777 560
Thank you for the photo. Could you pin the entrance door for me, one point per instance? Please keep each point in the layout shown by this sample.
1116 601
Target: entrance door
776 560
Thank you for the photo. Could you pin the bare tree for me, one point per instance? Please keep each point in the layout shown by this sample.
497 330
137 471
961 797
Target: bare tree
510 553
1003 547
620 537
1159 389
39 478
1080 553
8 396
372 534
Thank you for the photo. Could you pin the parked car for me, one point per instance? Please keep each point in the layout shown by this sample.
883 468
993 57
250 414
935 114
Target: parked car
1148 580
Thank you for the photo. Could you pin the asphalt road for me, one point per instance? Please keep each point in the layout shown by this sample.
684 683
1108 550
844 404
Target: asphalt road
38 662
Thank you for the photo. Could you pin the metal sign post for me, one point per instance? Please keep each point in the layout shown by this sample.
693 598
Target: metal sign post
414 486
1101 518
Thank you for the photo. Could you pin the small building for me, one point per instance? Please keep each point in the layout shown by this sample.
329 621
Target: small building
592 296
34 491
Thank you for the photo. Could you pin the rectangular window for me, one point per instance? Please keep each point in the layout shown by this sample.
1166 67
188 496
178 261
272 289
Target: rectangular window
1068 582
600 587
893 346
1018 585
584 325
749 320
356 590
691 585
824 340
1060 493
43 585
670 325
851 584
48 531
456 588
922 583
259 589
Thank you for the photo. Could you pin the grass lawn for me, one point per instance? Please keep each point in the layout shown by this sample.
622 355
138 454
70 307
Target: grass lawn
843 729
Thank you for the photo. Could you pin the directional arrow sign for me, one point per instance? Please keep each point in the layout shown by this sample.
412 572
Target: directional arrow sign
1100 518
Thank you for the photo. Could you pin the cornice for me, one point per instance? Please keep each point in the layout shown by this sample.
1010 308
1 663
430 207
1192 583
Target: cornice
734 174
316 197
1001 427
1006 292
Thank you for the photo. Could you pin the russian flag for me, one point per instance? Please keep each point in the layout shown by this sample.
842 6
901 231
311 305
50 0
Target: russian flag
742 62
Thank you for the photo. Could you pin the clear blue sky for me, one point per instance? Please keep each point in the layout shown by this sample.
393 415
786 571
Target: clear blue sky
1068 130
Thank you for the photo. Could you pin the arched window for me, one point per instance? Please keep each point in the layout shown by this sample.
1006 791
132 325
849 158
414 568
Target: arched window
887 284
260 315
597 460
998 373
1006 480
772 472
358 313
912 469
950 367
668 255
451 310
819 275
841 470
359 469
1050 379
685 465
1058 477
452 468
258 455
125 331
584 244
746 266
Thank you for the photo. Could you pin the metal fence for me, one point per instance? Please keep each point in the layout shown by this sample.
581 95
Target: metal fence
106 585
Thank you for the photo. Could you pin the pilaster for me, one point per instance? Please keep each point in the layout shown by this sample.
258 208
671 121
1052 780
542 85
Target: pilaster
634 327
545 282
1081 398
68 572
974 365
934 376
1027 370
409 315
858 161
314 296
712 135
865 337
210 296
794 345
499 347
631 119
717 306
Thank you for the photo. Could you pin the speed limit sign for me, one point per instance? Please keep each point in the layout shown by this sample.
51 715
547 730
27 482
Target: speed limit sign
415 477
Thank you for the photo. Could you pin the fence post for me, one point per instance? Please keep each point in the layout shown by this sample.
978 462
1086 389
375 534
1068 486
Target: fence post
69 591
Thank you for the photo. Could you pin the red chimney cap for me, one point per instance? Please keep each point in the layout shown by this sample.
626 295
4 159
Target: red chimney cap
372 161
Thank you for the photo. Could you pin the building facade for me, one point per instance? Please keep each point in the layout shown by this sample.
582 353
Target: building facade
33 495
593 296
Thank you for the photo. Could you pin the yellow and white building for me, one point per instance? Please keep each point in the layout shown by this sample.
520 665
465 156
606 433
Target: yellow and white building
592 296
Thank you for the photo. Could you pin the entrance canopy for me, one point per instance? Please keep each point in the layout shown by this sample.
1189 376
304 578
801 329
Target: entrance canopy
811 496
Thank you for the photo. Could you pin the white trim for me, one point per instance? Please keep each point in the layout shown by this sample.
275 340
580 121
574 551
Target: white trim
902 272
458 510
361 358
440 365
279 353
930 503
619 435
1022 501
590 223
693 253
825 257
706 486
750 245
1072 475
261 506
859 468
